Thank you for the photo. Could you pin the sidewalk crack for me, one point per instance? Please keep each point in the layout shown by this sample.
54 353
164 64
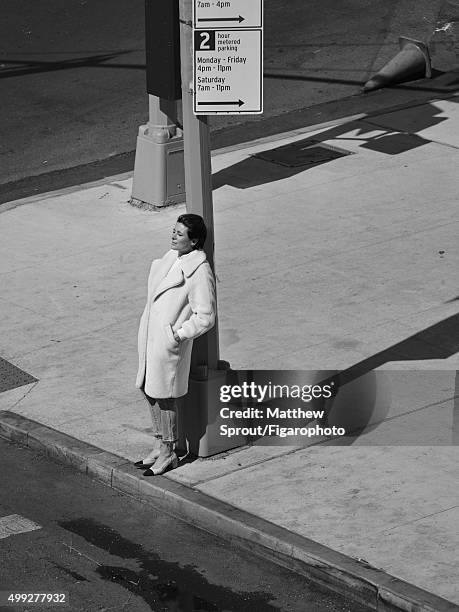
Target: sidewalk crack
249 465
421 518
25 395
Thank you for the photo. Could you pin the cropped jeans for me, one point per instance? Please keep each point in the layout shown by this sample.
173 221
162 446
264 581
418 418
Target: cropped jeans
163 417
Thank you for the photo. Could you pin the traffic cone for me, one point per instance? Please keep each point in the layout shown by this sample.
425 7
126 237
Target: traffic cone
413 60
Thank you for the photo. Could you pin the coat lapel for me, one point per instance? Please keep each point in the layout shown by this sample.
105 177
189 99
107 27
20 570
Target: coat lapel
166 280
188 265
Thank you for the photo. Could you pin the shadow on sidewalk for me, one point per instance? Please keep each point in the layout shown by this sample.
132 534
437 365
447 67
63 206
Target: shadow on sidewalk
438 341
364 397
360 404
286 161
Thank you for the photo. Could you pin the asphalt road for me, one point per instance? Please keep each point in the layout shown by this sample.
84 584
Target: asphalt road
107 552
72 77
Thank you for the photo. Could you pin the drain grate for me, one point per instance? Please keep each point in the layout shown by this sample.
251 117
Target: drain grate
303 153
12 377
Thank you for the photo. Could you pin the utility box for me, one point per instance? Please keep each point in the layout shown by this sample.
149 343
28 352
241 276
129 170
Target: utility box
162 45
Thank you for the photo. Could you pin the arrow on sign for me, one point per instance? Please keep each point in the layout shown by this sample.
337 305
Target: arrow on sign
238 102
224 19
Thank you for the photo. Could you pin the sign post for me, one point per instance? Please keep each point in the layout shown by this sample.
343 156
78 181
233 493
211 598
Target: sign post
239 52
198 174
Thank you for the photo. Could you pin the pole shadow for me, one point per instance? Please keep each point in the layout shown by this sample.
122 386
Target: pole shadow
439 341
367 403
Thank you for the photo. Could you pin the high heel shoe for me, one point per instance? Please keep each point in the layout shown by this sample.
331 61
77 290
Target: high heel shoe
151 459
170 463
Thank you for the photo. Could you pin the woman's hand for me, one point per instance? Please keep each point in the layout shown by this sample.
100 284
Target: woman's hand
176 337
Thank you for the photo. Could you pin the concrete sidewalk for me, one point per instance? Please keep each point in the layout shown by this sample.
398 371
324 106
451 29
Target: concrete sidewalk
351 266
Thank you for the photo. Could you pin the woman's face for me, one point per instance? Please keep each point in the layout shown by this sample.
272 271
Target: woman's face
180 241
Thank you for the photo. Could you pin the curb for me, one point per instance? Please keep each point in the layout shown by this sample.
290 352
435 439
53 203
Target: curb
332 570
234 138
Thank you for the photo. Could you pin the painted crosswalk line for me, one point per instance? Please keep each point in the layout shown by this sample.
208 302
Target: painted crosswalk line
14 524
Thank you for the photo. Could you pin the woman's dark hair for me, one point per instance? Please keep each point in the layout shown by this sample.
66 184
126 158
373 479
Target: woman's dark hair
196 228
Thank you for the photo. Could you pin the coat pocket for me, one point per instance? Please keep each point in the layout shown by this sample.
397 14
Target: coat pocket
172 343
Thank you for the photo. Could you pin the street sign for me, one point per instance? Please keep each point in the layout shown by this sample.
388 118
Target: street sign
228 57
228 72
215 14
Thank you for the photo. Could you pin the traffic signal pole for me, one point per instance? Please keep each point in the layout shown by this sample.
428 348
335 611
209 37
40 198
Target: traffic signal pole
158 172
198 175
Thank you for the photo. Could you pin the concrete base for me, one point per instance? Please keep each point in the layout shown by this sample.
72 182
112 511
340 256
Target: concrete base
159 175
200 416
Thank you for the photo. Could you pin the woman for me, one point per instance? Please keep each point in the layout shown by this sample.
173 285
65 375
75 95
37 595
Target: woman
180 307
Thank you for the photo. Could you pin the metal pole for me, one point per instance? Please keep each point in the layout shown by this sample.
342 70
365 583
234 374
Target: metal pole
198 174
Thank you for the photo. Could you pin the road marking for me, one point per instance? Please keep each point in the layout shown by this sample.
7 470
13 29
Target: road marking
14 524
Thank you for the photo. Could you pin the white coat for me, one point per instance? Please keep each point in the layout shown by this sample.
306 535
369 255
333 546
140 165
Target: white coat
184 303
